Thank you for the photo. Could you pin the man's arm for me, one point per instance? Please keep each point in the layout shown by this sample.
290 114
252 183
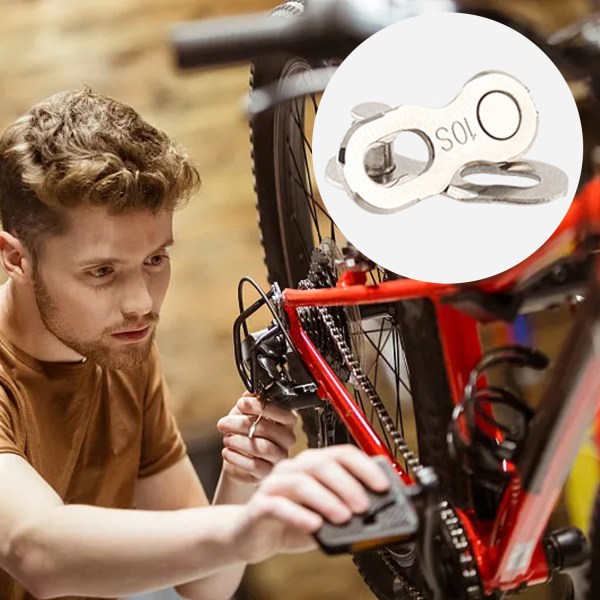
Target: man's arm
73 550
179 487
56 549
246 462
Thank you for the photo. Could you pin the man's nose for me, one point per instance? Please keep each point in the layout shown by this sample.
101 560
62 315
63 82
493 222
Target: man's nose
137 299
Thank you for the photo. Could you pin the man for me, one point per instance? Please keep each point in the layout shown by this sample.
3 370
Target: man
87 194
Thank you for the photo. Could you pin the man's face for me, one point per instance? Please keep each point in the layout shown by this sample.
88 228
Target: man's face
99 287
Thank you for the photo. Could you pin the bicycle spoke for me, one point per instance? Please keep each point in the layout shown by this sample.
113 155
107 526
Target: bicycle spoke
312 203
399 419
387 362
376 374
302 185
307 250
358 399
313 213
406 369
317 205
396 354
377 346
304 144
296 119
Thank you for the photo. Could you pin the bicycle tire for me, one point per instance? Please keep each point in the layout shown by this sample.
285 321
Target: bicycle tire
288 234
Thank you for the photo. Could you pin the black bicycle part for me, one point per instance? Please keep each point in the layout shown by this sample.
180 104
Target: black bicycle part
566 548
564 279
267 361
391 515
568 399
328 28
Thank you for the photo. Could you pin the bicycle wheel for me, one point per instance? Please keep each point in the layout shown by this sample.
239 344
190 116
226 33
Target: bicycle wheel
403 356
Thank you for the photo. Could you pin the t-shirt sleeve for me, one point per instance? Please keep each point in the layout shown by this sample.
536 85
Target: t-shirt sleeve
162 443
11 433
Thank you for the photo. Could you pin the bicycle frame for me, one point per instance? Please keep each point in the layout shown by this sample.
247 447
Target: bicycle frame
509 552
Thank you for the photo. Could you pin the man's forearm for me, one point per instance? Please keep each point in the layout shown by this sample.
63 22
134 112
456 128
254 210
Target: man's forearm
230 491
221 585
89 551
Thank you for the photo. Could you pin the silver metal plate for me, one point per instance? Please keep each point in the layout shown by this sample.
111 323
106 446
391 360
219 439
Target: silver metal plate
551 183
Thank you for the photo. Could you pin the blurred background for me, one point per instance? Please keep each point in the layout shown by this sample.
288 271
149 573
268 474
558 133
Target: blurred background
121 48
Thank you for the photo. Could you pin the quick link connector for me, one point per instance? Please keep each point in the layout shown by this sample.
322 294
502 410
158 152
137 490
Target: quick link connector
492 122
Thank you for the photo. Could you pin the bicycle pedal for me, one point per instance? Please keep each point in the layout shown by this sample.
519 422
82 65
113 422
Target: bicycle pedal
391 517
492 121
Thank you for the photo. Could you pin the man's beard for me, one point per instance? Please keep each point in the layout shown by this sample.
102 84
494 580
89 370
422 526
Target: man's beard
127 357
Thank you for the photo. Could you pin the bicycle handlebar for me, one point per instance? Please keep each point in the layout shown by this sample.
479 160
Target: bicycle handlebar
234 39
327 29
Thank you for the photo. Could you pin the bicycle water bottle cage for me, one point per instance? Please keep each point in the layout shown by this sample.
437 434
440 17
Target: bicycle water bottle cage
491 122
490 422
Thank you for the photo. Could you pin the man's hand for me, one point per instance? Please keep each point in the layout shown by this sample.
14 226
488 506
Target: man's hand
248 459
292 502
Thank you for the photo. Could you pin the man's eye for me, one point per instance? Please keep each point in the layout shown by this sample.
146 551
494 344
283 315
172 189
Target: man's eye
157 260
101 272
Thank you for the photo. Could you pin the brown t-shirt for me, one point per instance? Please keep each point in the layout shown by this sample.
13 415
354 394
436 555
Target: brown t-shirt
89 432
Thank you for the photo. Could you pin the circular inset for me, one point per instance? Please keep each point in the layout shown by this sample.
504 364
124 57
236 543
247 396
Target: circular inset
499 115
468 230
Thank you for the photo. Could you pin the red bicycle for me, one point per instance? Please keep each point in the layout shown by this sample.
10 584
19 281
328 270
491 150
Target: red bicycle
397 366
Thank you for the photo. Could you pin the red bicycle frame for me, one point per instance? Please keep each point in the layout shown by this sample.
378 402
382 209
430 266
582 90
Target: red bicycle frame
509 551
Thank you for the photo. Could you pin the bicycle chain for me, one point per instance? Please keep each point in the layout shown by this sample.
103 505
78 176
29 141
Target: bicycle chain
363 381
450 520
410 591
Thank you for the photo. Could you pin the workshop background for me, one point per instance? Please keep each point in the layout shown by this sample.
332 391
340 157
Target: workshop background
121 48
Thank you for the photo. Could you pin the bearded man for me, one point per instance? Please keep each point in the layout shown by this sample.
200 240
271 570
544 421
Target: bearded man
98 496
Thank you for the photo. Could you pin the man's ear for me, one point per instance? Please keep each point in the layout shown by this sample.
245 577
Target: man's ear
15 259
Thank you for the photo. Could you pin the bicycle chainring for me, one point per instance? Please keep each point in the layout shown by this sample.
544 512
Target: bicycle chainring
456 567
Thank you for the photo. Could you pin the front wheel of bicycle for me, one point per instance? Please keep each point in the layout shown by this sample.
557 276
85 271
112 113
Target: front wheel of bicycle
402 353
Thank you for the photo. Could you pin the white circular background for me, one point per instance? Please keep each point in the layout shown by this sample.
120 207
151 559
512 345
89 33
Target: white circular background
426 60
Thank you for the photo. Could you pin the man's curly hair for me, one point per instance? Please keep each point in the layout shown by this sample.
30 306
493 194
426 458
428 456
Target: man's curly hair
82 148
